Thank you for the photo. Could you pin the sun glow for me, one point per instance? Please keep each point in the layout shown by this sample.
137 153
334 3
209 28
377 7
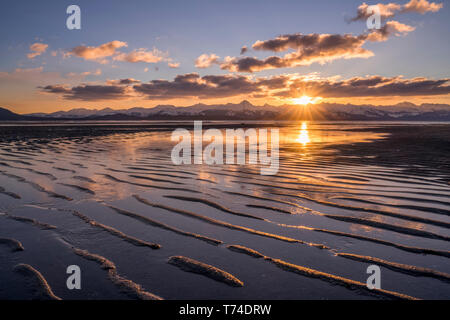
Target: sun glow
304 100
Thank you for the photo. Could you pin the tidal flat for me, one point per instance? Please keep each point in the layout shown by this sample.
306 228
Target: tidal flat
106 196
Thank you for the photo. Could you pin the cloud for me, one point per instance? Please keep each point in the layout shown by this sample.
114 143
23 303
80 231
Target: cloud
37 49
422 6
140 55
390 28
288 86
282 87
97 72
206 60
309 48
24 71
323 48
89 92
24 77
313 48
371 86
391 9
127 81
97 53
57 88
386 11
110 49
192 85
173 65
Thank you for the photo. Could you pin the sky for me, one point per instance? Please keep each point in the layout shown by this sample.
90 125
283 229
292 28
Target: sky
143 53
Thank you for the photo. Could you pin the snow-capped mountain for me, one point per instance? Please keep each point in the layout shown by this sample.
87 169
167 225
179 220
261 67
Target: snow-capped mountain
246 111
244 107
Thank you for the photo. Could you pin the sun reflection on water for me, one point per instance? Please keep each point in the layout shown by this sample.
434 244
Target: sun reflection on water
303 137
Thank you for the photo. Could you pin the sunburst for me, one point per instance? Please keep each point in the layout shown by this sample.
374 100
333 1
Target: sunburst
305 100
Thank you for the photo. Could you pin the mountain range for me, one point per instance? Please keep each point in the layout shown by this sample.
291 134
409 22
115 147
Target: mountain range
244 110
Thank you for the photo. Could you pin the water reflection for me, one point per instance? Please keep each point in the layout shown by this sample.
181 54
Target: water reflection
303 137
309 134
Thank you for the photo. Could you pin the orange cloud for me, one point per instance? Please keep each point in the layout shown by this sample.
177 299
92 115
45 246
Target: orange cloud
391 9
309 48
97 53
96 72
422 6
174 65
206 60
391 27
313 48
37 49
140 55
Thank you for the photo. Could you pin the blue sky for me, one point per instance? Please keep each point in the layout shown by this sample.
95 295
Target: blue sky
183 30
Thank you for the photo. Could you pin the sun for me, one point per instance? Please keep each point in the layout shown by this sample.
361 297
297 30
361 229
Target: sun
304 100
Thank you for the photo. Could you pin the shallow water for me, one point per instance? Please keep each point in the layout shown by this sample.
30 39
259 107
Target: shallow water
357 188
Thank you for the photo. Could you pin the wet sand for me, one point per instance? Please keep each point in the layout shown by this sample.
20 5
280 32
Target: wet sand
106 197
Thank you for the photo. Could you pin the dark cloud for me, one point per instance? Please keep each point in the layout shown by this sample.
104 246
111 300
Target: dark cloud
374 86
89 92
210 86
55 89
191 85
126 81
